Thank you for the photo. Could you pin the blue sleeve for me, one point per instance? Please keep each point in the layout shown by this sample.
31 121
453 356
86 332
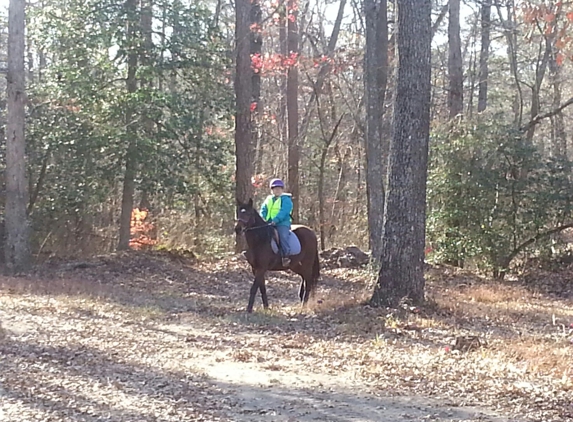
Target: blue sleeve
286 209
264 210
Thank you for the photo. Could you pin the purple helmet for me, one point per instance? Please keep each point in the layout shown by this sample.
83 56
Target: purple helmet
277 183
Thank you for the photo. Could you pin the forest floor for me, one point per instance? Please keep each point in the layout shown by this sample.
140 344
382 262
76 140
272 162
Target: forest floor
159 337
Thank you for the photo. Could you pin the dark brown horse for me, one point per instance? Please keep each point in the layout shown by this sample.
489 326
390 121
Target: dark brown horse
260 255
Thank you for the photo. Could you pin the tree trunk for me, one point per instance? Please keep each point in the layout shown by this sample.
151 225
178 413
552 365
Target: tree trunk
545 50
146 84
292 107
283 50
130 116
17 248
455 63
402 260
243 91
375 81
511 39
559 136
484 55
256 50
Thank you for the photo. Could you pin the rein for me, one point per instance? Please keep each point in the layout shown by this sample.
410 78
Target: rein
256 228
248 229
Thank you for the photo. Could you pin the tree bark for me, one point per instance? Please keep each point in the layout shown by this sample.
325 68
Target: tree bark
243 90
455 63
484 55
130 116
283 51
402 262
146 84
375 81
17 248
292 107
256 51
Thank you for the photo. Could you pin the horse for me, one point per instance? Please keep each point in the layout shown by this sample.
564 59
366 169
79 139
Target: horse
260 255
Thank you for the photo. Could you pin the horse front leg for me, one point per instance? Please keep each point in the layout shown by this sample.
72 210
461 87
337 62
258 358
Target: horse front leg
263 288
252 294
258 283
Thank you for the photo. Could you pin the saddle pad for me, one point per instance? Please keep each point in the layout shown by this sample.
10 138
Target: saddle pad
293 242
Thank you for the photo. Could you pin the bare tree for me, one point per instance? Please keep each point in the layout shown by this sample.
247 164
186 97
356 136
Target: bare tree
455 63
402 260
17 248
243 90
375 81
292 107
558 133
130 115
484 55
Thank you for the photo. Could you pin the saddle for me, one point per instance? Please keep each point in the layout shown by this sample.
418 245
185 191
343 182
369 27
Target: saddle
293 242
276 236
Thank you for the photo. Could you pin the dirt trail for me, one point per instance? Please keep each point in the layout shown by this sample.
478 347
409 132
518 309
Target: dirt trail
166 342
286 393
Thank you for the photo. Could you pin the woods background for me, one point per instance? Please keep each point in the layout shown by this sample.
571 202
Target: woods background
135 99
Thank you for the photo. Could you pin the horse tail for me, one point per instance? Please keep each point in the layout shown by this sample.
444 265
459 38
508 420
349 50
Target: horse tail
315 268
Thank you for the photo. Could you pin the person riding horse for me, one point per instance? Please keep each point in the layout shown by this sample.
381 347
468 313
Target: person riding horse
261 256
277 210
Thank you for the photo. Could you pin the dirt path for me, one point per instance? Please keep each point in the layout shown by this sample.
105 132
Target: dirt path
283 391
170 344
51 366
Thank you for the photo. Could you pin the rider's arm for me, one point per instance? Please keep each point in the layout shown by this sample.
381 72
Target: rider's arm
264 211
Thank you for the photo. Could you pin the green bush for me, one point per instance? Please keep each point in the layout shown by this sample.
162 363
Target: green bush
492 196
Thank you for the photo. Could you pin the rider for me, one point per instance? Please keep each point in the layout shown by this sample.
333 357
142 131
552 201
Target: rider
277 210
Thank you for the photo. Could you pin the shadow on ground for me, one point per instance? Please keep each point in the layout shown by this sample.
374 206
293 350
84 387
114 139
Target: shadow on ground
82 383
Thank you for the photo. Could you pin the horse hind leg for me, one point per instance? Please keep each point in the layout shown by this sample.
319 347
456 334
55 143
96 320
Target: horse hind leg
309 284
302 289
307 292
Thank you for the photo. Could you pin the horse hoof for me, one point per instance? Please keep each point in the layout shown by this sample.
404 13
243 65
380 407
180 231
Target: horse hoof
249 311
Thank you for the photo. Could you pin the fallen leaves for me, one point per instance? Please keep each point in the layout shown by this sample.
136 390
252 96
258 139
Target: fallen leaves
131 337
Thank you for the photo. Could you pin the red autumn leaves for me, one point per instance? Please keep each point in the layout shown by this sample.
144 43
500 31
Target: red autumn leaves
554 22
143 233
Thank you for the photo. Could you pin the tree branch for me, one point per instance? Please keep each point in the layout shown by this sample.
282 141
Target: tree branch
440 19
537 119
535 238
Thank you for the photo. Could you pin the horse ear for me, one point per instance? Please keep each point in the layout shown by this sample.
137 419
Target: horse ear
251 202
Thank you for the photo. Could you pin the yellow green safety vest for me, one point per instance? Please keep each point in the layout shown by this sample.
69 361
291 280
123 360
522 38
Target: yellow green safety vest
273 207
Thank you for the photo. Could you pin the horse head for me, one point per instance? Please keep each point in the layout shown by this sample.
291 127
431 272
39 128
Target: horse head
246 216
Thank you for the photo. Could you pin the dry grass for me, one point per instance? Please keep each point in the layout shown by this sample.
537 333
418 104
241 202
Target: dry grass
523 328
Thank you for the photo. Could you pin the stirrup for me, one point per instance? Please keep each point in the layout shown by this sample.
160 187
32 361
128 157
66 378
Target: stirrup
286 261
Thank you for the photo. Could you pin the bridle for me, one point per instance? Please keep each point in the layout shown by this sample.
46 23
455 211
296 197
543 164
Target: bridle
248 229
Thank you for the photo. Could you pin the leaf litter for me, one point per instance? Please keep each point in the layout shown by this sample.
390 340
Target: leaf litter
162 337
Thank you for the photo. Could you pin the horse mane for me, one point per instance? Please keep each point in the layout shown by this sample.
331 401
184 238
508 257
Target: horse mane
261 236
